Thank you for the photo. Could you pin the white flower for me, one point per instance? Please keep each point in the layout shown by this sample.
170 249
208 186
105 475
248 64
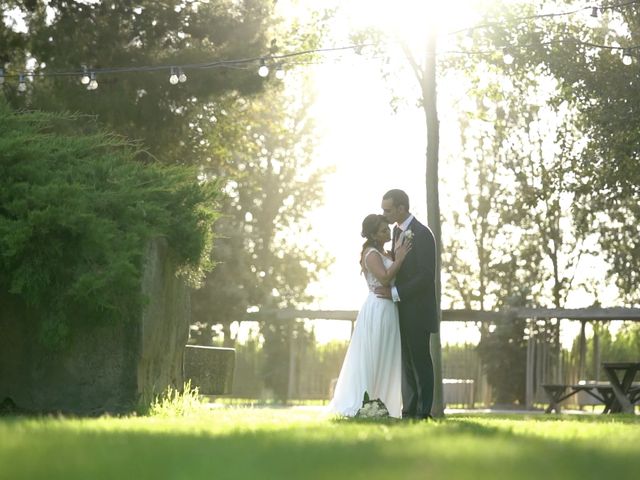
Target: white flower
408 234
372 408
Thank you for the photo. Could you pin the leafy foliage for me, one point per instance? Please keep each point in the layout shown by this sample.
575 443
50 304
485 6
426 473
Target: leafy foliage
77 209
602 90
547 168
121 33
270 186
221 119
523 241
504 357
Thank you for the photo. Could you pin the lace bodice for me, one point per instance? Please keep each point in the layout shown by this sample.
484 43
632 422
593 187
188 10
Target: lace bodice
372 281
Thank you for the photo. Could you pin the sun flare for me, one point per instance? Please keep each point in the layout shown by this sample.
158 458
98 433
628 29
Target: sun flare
410 21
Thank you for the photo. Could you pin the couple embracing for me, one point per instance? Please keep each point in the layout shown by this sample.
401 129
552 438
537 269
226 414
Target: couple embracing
388 356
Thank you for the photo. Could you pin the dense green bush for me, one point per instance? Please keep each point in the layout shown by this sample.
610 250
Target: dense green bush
78 207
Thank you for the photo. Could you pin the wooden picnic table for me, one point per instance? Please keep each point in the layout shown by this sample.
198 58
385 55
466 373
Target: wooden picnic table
619 395
626 394
603 392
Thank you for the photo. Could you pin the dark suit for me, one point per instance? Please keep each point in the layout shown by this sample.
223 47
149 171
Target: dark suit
418 308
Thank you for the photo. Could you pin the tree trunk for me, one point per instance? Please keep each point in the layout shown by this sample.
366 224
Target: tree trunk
226 331
583 350
433 202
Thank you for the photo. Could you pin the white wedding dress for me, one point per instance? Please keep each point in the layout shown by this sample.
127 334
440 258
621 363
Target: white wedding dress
372 362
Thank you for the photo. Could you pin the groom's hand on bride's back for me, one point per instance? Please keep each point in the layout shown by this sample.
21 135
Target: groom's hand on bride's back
383 292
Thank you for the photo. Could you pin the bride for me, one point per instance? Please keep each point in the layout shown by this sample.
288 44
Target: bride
373 362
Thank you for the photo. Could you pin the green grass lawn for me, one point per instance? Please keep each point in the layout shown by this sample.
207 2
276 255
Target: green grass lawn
301 444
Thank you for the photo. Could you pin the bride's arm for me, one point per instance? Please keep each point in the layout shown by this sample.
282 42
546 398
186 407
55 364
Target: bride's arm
375 264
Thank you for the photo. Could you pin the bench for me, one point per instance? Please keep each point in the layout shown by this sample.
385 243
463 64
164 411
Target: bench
634 393
603 392
627 393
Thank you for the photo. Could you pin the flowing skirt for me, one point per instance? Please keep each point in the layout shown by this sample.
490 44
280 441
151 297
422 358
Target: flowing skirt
373 361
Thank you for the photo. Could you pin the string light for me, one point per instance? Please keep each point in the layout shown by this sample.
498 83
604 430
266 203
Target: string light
93 83
22 86
173 79
178 76
602 8
177 73
85 77
552 42
263 71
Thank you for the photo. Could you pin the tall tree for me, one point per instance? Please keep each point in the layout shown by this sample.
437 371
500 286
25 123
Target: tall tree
519 162
425 74
270 186
586 59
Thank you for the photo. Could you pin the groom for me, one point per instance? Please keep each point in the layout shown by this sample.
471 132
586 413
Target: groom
415 294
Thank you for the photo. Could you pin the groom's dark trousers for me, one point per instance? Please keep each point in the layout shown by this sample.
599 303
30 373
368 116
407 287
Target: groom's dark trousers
418 308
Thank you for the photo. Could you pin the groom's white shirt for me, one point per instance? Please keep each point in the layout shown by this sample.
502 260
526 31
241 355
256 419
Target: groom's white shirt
403 226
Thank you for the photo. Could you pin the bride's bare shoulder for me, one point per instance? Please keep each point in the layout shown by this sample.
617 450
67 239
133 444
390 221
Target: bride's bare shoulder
366 253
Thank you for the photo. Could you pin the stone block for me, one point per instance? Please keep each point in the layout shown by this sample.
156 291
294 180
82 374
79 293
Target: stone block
210 368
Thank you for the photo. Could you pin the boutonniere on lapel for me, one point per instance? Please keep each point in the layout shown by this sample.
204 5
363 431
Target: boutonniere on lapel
408 235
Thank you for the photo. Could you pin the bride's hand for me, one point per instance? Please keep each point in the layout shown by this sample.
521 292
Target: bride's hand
402 249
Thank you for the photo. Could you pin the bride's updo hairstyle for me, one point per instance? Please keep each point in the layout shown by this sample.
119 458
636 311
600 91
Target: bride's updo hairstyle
370 226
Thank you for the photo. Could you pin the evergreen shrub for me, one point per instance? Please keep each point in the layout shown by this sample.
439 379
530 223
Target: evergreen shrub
78 206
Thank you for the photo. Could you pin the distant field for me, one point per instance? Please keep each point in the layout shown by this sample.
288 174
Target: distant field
247 443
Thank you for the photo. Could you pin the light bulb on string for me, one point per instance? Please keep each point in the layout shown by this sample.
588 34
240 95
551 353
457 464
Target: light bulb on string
85 77
22 86
93 83
173 79
594 12
271 62
263 71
